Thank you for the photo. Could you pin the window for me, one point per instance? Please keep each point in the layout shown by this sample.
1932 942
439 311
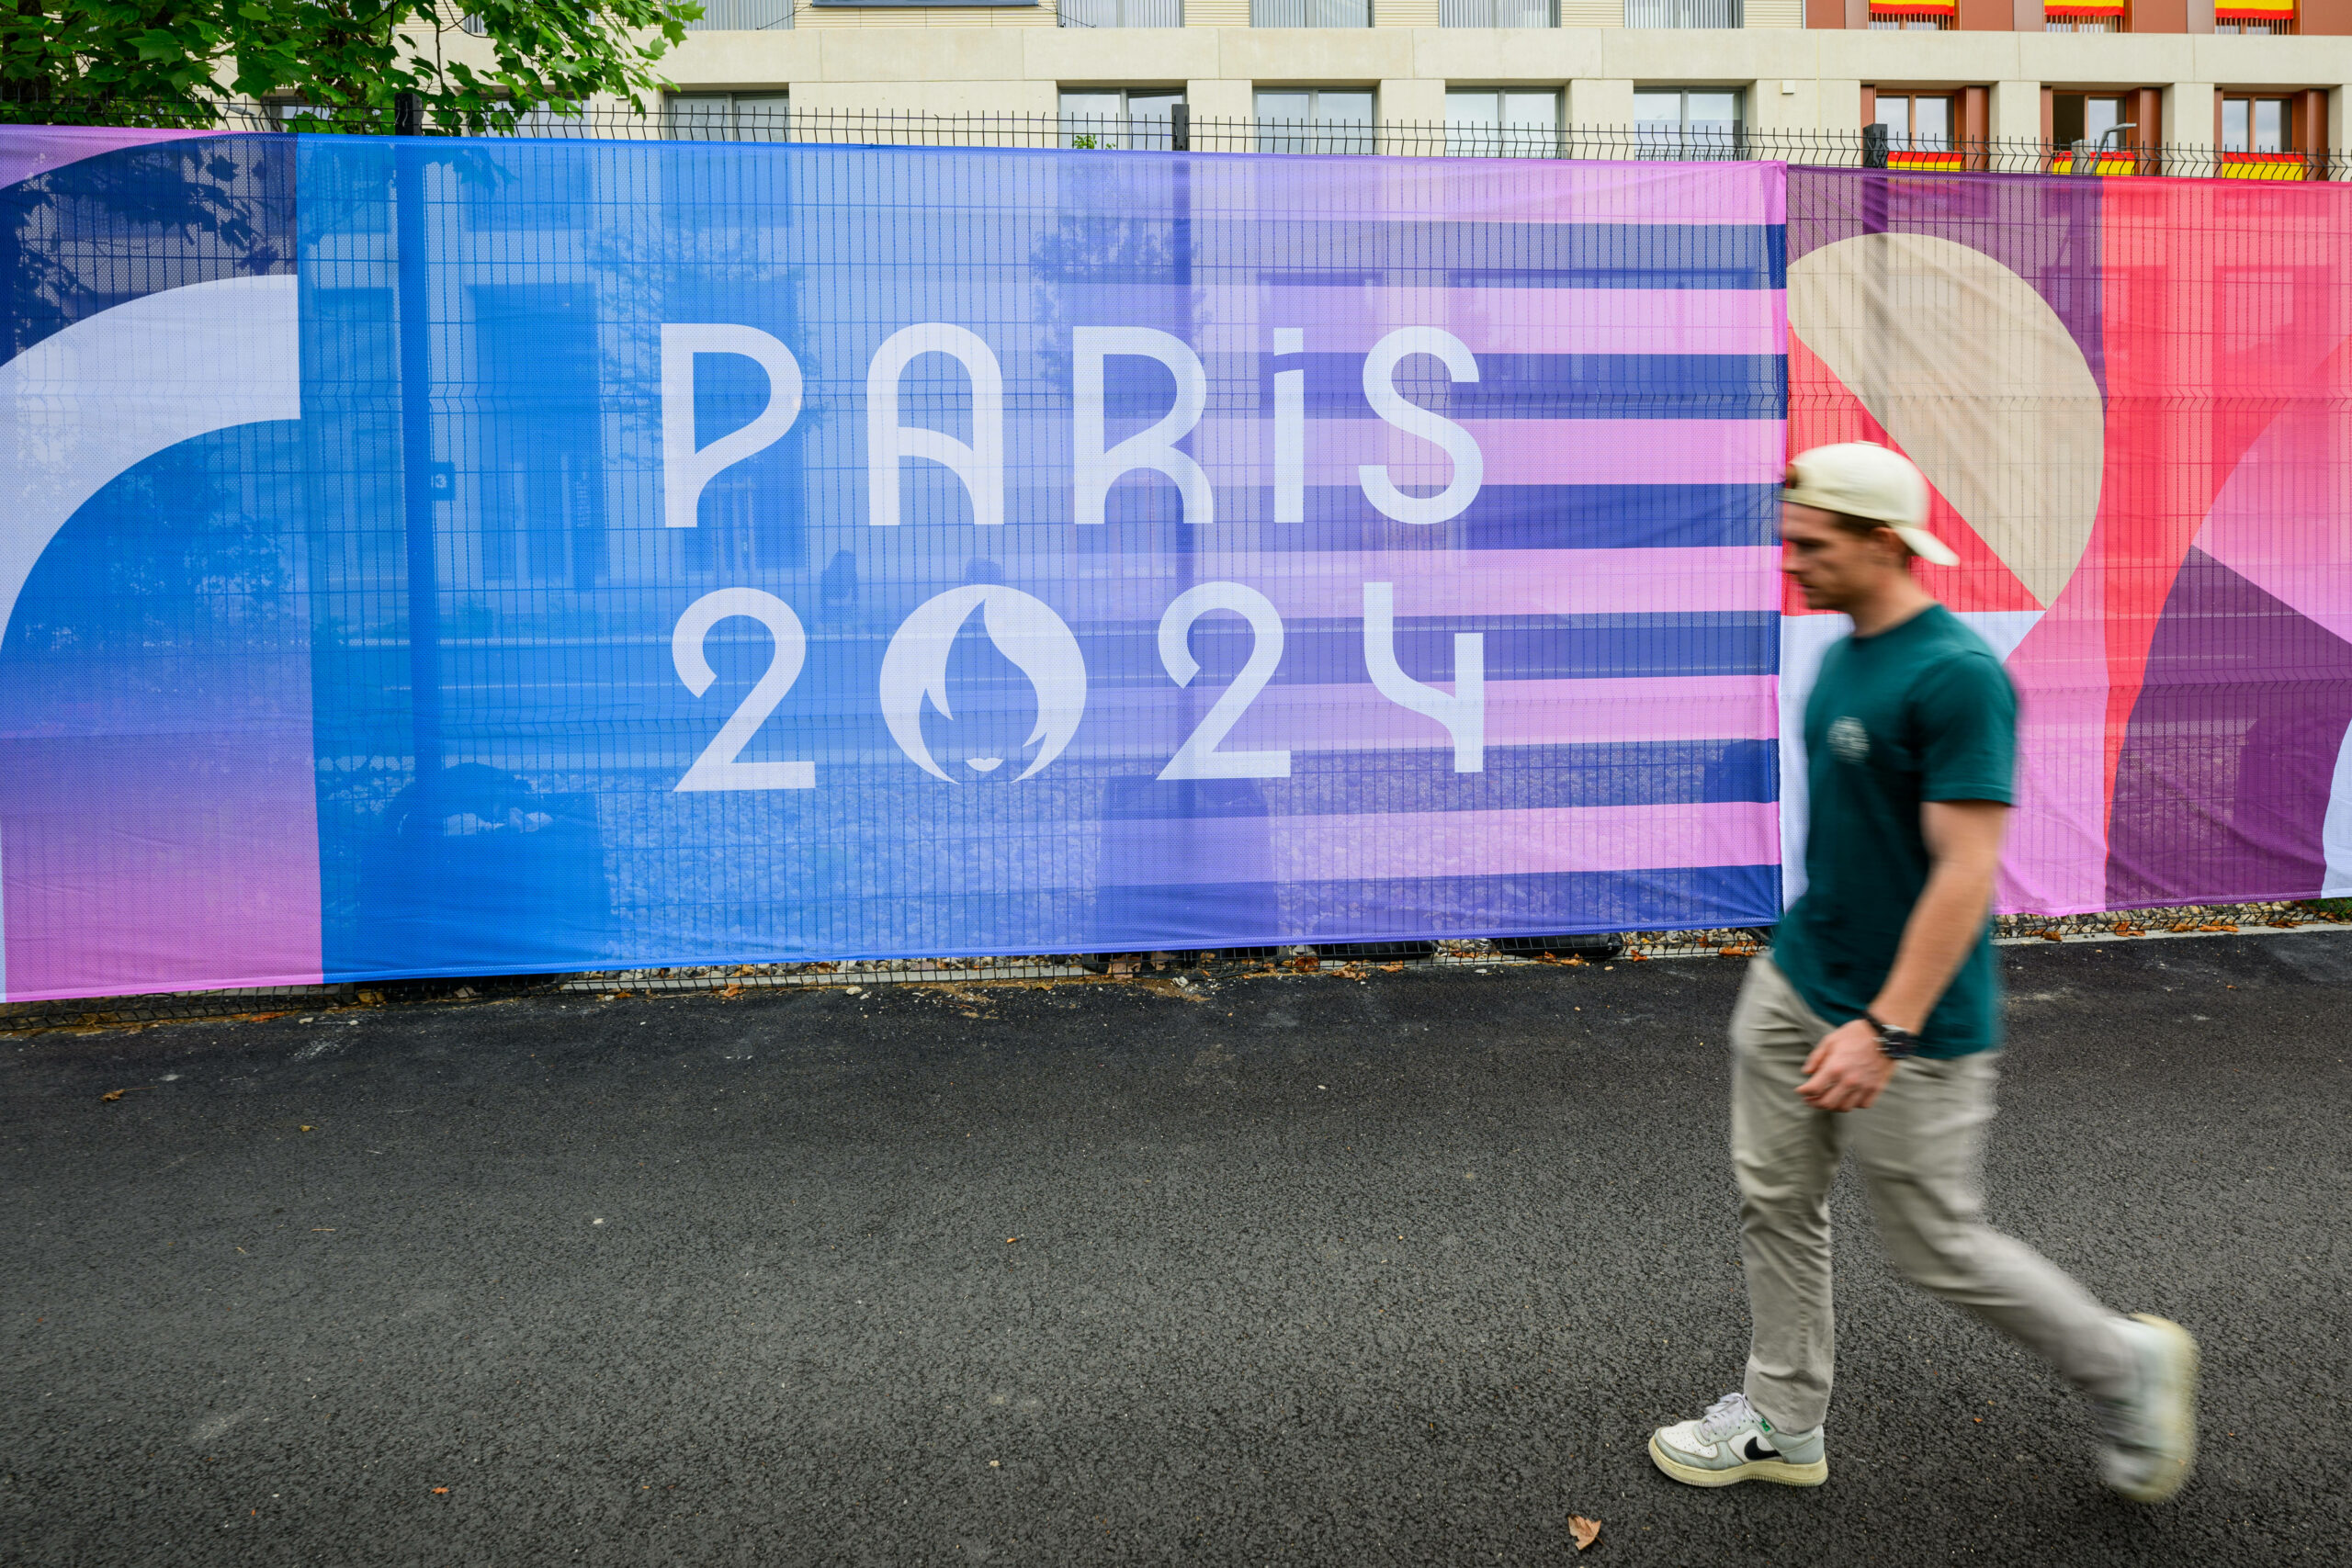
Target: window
1918 130
1683 13
1120 14
2095 124
1687 122
1310 13
1497 14
728 116
2079 117
1118 116
2254 125
1503 122
742 16
1314 119
2258 141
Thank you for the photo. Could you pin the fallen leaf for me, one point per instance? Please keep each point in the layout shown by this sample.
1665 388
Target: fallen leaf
114 1094
1011 1239
1586 1530
440 1491
2050 936
1306 963
305 1126
732 991
1390 968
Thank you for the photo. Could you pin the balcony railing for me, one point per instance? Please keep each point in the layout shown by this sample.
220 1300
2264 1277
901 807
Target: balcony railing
1834 149
1683 13
743 17
1310 13
1120 13
1497 14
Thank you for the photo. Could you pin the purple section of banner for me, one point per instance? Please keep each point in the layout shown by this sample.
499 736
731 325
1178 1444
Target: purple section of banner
2223 779
1386 845
30 150
1329 584
1488 320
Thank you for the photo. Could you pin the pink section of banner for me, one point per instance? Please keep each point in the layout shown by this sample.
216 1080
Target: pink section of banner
2283 521
154 861
1514 451
1445 843
1330 585
2056 861
1500 190
31 150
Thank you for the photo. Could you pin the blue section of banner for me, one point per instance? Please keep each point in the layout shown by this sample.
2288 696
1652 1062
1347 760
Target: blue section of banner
1255 914
703 571
1319 251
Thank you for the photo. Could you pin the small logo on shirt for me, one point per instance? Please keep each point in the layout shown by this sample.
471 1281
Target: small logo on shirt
1848 740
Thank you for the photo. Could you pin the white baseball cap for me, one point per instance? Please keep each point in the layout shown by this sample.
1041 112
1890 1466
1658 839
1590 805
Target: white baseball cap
1862 478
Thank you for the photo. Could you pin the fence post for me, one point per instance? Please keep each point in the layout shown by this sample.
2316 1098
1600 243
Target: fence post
414 283
1874 144
408 114
1180 128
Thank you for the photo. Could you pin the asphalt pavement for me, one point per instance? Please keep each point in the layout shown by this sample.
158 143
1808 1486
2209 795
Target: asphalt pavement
1307 1270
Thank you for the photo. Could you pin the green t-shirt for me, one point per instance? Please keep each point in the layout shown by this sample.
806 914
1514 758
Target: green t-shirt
1920 712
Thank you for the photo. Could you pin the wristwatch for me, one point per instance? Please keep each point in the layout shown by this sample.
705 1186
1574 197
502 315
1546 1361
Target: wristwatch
1893 1043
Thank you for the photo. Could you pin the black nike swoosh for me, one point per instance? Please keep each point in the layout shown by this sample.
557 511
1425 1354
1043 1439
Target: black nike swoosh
1756 1451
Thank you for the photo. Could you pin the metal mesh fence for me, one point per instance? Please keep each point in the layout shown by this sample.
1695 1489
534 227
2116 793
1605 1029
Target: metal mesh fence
689 116
772 122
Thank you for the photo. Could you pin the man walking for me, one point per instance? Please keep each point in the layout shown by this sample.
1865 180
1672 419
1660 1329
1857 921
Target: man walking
1873 1027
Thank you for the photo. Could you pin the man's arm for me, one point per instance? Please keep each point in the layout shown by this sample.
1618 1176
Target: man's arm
1847 1070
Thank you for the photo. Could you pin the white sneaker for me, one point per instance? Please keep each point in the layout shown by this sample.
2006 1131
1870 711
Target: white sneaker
2151 1435
1732 1443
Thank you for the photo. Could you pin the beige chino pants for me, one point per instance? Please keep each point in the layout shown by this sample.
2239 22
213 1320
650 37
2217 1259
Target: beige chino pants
1918 1148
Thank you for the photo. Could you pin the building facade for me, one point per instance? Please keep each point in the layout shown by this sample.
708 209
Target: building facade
2255 79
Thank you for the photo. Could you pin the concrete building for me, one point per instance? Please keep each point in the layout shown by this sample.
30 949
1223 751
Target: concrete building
2262 79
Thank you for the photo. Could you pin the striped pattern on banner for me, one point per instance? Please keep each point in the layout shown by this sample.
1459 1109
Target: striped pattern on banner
1617 561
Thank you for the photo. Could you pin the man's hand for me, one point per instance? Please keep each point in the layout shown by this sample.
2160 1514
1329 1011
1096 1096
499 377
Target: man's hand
1847 1070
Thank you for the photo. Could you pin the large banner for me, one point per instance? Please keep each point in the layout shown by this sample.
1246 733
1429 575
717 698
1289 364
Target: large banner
2134 400
470 556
